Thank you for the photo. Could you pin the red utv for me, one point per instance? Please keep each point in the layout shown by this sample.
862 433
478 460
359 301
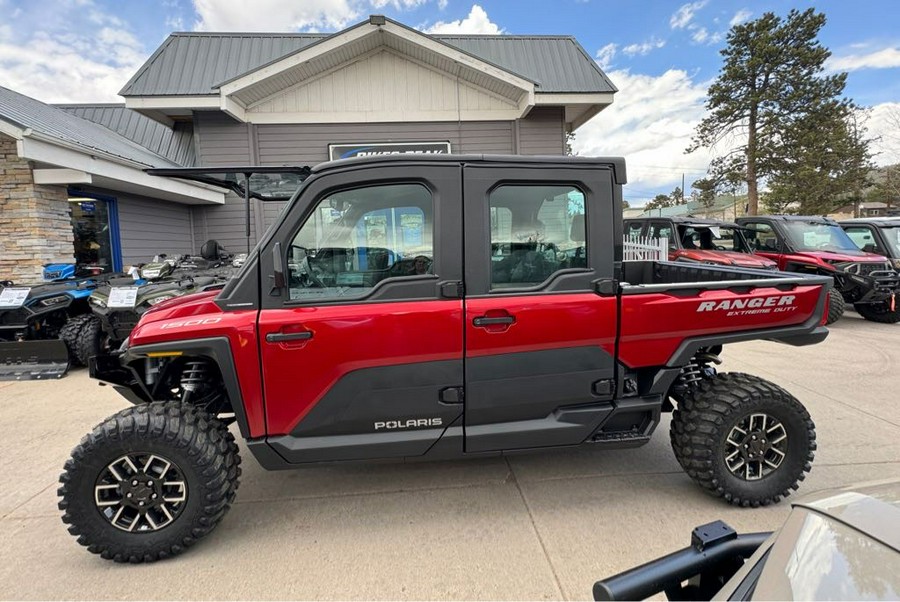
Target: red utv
818 245
696 240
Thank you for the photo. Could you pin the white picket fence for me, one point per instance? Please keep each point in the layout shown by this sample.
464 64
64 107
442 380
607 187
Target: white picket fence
645 249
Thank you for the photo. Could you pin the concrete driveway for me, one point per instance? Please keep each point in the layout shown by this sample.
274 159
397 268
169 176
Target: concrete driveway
539 526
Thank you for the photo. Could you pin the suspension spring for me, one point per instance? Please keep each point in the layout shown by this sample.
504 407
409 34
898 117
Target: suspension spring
698 368
193 377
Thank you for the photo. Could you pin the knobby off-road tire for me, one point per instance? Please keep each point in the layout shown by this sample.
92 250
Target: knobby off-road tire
175 444
89 341
704 436
69 334
836 306
880 312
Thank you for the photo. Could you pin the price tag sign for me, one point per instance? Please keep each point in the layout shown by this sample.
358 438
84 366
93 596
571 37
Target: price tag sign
13 297
122 296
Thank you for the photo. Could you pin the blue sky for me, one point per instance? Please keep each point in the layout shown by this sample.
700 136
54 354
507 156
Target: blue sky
661 54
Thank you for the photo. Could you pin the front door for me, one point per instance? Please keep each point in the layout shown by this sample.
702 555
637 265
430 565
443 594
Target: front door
540 343
362 346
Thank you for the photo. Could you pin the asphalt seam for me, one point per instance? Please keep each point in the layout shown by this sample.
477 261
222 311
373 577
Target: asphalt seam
8 514
537 533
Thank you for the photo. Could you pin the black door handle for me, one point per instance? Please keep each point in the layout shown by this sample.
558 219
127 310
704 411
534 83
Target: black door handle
282 337
486 321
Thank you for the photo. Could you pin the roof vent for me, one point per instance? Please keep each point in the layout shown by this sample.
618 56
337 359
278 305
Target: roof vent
377 19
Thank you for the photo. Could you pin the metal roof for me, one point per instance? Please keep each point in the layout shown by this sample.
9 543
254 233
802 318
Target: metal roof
54 123
193 64
174 143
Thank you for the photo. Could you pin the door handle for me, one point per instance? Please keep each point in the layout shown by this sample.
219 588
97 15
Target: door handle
283 337
482 321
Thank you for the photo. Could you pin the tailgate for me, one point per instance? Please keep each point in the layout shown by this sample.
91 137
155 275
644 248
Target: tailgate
657 320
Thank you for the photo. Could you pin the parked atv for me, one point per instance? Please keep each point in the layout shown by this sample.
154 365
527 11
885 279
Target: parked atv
38 324
695 240
818 245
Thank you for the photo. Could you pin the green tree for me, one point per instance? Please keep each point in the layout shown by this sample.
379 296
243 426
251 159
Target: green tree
705 191
771 80
660 201
626 204
824 162
677 196
570 138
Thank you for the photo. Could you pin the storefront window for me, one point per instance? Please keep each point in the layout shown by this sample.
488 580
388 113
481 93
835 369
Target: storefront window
91 229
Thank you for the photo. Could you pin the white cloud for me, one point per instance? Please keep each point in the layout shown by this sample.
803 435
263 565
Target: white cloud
886 58
273 15
605 56
476 22
644 47
884 126
740 16
397 4
685 14
442 4
175 23
650 123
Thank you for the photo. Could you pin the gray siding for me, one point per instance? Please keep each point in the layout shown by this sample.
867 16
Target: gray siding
307 144
542 132
149 226
221 141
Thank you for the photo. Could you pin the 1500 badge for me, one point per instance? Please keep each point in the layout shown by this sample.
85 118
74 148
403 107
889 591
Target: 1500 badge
195 322
407 424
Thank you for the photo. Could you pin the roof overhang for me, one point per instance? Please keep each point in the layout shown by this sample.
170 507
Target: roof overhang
580 107
61 162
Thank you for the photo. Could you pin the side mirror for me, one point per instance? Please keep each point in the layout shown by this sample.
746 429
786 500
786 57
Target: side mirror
870 248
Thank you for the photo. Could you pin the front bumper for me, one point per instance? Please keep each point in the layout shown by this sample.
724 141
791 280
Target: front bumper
716 551
876 287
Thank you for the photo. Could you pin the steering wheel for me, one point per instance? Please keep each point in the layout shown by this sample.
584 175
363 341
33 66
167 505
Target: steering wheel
719 248
313 277
823 245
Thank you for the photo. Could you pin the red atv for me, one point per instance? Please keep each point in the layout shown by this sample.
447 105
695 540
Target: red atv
439 307
699 240
818 245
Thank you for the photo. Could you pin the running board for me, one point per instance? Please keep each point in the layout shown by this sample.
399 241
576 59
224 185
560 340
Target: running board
33 360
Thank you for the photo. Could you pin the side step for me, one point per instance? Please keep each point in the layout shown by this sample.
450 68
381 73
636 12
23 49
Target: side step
33 360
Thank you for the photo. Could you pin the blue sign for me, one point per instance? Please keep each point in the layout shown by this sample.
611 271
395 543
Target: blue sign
88 206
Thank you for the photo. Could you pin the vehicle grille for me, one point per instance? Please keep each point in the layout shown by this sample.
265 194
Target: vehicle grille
864 269
14 317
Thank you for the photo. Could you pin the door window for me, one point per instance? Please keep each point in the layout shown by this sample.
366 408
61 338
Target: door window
761 237
536 231
355 239
633 230
863 236
663 230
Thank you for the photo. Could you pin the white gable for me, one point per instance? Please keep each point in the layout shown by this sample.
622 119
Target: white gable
383 85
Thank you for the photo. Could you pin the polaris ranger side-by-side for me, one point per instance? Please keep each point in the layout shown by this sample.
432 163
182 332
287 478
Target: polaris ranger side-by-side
818 245
432 307
697 240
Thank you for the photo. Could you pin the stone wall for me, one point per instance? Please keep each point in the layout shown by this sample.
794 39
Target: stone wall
35 220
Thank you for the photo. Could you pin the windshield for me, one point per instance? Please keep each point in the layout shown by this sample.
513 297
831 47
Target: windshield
712 238
892 236
817 236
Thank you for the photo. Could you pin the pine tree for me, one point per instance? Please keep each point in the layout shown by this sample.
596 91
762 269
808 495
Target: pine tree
771 82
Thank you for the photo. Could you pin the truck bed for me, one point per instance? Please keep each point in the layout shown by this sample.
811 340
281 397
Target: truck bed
669 309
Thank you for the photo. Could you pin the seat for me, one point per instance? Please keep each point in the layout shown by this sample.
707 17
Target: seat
576 234
211 250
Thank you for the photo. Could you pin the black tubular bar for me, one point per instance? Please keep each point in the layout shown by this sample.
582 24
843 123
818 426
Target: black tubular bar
671 570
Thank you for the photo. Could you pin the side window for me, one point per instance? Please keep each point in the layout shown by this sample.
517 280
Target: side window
633 230
761 237
535 232
663 230
354 239
861 237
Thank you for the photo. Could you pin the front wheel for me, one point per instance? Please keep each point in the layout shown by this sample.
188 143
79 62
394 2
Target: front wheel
744 439
836 306
879 312
150 481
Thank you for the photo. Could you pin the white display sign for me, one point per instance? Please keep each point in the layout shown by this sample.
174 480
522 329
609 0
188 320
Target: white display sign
122 296
13 297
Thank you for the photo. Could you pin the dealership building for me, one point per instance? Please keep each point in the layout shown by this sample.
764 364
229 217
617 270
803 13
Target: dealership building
72 177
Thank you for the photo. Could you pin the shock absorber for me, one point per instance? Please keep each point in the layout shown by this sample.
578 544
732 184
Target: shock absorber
698 368
193 378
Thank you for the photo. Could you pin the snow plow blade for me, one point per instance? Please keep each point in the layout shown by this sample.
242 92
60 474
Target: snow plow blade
33 360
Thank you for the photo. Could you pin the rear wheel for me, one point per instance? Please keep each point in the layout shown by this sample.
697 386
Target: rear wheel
879 312
69 335
149 482
744 439
836 306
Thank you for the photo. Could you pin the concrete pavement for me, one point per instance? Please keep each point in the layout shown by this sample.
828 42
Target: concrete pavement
538 526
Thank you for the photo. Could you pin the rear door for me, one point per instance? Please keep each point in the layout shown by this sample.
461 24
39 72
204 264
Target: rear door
539 342
366 335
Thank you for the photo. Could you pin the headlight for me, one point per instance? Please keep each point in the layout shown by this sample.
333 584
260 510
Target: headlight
54 300
160 299
896 263
97 301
